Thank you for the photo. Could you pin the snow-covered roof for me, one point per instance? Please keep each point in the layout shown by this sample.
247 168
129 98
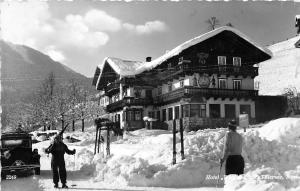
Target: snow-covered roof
120 66
131 68
196 40
297 16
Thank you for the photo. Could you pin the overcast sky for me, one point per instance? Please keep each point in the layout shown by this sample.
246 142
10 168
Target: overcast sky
80 34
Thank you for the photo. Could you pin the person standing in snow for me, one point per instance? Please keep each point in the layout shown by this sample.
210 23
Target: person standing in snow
232 151
58 149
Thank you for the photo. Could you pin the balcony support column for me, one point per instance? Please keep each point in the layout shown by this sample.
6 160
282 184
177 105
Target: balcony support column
222 107
121 92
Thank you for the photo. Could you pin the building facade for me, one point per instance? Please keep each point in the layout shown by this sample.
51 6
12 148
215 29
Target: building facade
205 81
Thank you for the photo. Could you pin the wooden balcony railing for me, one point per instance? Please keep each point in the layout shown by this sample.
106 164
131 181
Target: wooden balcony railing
128 101
219 70
190 91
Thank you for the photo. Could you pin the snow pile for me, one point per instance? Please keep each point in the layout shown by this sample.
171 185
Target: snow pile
283 130
264 178
144 159
150 164
81 161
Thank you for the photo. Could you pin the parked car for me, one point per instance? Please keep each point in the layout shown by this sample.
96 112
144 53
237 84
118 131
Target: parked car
17 156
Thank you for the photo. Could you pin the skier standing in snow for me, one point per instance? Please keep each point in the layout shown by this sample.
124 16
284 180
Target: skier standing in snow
58 149
232 151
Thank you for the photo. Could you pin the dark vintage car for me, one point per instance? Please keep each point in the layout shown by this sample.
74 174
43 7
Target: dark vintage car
17 156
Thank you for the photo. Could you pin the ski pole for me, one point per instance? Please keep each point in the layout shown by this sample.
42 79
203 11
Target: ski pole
74 164
221 164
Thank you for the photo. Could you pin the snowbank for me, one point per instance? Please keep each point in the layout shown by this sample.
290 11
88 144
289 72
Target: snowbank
144 159
283 130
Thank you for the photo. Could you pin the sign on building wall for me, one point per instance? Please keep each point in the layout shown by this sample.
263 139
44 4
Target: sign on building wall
244 121
202 81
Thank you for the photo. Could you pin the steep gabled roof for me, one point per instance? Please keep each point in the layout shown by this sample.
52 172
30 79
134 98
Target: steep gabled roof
131 68
120 66
196 40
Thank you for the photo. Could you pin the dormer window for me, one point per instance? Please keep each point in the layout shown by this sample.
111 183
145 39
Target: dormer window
237 61
181 83
180 60
221 60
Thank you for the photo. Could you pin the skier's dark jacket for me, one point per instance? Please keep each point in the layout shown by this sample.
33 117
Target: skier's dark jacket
58 149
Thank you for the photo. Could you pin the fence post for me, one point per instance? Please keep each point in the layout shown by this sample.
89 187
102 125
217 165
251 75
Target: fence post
96 142
174 141
108 141
181 138
99 139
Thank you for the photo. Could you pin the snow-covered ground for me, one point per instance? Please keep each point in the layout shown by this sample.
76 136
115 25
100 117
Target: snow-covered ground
142 160
282 70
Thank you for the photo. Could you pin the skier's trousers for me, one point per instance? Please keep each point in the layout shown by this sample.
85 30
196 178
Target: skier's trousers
59 172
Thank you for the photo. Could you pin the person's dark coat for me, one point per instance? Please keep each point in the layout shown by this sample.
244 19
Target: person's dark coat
58 149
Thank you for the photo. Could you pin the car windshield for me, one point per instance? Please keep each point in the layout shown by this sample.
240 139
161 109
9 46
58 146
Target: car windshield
15 143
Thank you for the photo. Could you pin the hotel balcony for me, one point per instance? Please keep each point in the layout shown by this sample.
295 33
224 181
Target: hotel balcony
128 101
228 70
196 92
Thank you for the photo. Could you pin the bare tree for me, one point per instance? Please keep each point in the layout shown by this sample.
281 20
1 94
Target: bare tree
213 22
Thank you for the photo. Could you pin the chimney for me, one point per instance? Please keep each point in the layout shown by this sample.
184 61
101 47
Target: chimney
148 59
297 24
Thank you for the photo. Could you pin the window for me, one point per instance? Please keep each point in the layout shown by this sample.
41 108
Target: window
158 115
169 65
198 110
130 116
245 109
138 115
202 110
222 83
169 87
170 113
176 112
221 60
186 110
181 82
164 114
236 61
237 84
230 111
151 114
180 60
214 110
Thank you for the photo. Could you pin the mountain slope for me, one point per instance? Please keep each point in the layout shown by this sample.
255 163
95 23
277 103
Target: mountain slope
23 69
282 71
